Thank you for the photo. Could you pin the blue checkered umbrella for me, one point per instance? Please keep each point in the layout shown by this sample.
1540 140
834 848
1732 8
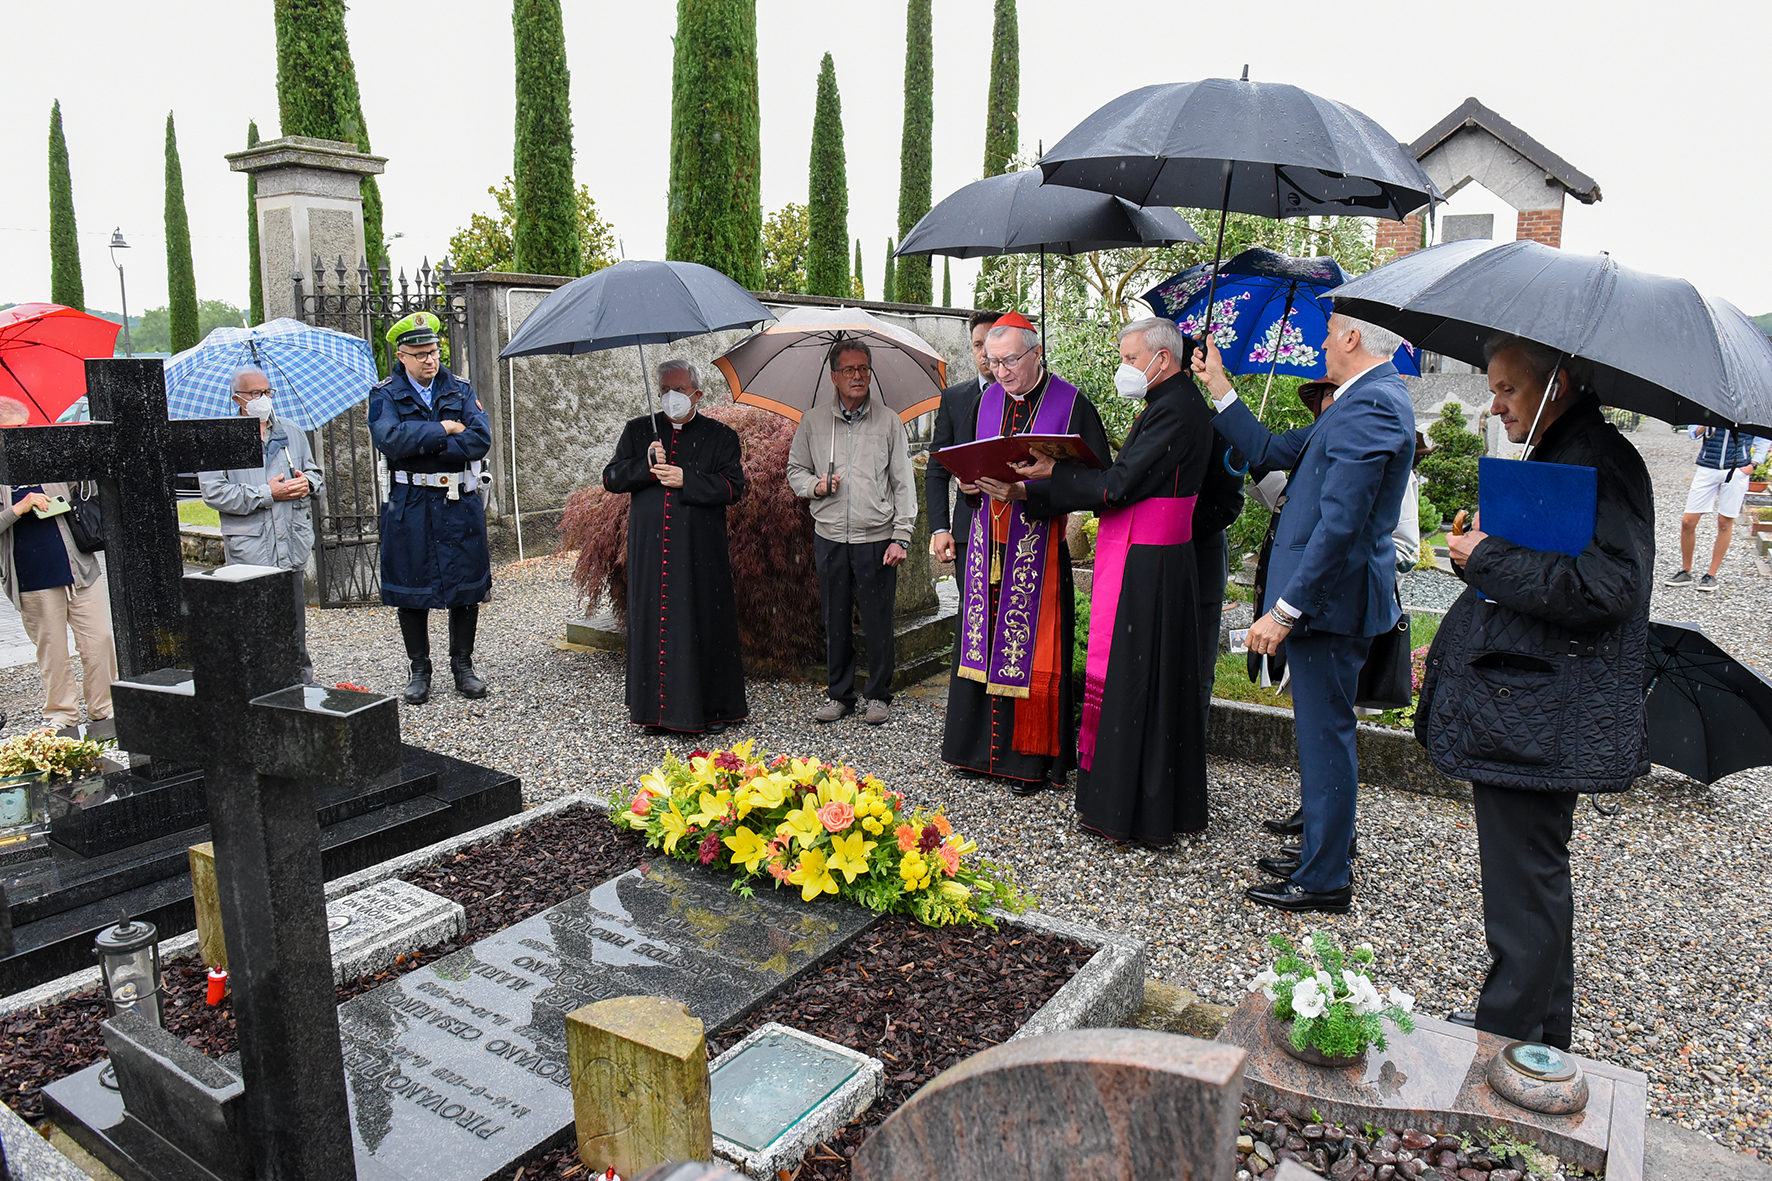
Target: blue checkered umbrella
316 374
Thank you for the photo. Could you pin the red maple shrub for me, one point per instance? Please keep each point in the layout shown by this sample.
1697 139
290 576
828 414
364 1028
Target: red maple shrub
769 534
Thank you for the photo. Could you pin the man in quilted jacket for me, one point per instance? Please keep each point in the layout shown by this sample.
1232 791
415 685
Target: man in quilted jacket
1535 694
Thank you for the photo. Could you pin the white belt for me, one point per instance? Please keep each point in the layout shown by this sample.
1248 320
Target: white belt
436 479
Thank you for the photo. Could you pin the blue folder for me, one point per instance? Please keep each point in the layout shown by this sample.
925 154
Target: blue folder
1542 506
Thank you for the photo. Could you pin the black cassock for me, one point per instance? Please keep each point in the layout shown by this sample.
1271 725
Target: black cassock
1148 781
684 669
980 725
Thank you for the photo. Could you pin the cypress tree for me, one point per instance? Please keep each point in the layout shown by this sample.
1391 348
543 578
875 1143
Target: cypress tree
317 93
889 288
916 146
181 279
827 197
856 289
716 197
545 235
1002 137
65 286
947 283
254 271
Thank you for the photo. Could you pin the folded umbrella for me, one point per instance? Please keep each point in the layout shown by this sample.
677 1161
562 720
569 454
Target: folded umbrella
785 367
316 374
1255 147
43 353
1708 714
1658 346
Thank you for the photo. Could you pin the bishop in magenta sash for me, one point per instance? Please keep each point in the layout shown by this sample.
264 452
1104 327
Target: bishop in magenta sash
1010 706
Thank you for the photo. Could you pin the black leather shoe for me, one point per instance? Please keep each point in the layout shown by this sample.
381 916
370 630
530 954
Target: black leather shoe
1462 1018
1292 896
965 773
1281 866
1296 850
467 683
1292 826
1026 787
418 689
715 728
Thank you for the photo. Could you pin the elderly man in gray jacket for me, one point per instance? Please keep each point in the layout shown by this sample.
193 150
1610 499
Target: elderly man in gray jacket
265 515
851 458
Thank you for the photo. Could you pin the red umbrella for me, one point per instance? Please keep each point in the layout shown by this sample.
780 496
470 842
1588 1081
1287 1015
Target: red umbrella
43 351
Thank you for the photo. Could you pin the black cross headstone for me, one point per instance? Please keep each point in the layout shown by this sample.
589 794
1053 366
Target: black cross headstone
264 743
134 452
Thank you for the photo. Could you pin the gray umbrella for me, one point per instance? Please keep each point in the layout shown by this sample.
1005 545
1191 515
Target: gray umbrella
1016 214
1657 345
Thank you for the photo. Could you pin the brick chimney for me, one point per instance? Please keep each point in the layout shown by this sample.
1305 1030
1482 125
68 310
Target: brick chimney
1537 225
1397 238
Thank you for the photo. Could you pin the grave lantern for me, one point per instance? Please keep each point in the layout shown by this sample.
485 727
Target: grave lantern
129 962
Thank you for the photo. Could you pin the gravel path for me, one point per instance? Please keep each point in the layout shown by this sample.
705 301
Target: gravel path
1674 962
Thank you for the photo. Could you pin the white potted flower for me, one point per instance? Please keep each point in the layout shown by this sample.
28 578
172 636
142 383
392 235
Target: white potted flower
1326 1009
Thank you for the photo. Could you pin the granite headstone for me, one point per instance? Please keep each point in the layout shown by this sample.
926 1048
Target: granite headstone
1108 1104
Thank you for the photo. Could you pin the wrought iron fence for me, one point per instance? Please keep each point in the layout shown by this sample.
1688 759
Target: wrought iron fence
348 531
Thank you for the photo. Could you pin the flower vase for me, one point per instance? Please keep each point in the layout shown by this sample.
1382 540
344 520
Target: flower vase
1280 1034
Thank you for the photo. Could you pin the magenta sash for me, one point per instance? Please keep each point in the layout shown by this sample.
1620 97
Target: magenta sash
1000 652
1158 521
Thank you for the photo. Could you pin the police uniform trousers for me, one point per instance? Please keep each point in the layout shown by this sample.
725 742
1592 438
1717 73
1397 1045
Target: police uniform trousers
1528 912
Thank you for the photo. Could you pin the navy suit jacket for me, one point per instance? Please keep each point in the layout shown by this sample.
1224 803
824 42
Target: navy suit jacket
1333 560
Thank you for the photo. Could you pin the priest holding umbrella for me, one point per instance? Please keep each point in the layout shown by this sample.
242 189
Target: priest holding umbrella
682 469
1009 702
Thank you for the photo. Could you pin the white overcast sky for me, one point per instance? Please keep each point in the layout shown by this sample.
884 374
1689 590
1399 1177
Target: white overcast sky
1665 106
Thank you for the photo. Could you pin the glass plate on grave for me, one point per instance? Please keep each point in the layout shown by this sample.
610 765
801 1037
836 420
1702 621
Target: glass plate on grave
24 818
771 1086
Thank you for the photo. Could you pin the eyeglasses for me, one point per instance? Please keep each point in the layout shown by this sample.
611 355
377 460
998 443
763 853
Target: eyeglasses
851 372
427 355
1006 362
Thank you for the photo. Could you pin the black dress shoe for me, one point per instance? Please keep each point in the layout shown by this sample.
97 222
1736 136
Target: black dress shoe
1296 851
1461 1018
1280 866
1292 826
1026 787
715 728
1292 896
967 773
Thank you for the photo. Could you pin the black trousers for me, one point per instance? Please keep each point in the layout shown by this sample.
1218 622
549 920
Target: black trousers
852 577
1214 571
1528 913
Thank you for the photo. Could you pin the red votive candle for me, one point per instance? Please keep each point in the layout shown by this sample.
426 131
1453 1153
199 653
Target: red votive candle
218 985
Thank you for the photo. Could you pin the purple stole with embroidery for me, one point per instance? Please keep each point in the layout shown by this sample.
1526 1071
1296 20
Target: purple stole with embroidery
1000 652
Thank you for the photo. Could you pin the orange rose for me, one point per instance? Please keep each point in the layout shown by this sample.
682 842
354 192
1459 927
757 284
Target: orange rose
950 859
836 816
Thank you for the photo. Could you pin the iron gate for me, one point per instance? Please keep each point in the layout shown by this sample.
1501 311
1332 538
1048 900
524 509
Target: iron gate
347 541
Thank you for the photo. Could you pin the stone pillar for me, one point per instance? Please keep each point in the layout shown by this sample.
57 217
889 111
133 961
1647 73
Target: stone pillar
212 947
640 1092
310 202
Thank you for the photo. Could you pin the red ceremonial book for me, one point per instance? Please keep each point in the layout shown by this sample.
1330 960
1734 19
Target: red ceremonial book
991 457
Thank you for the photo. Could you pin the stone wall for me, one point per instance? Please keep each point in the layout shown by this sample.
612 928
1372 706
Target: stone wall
555 419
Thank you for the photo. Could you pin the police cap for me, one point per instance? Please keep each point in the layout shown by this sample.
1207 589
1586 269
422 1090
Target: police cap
417 329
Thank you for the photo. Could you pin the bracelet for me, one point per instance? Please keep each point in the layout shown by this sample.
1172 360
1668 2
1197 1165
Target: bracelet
1281 619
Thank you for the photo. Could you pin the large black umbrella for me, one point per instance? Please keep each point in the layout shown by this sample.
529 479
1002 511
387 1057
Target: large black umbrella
1015 214
1657 345
1255 147
1709 715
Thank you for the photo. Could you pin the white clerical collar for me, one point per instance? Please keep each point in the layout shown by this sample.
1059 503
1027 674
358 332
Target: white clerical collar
677 426
1348 384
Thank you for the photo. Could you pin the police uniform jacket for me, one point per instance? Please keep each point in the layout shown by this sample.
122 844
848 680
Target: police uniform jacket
433 548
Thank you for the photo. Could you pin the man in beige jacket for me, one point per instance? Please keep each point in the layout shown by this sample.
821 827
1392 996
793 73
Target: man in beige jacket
56 586
851 458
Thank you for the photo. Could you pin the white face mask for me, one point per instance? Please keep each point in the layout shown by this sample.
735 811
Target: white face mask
1131 382
260 407
676 404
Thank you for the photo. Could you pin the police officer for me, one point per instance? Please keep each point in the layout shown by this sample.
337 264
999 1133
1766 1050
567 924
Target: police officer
430 426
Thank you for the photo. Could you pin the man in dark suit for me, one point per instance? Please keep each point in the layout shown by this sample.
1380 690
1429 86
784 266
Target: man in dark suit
956 422
1331 582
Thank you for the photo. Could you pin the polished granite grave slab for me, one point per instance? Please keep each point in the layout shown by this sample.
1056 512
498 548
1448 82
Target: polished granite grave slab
459 1069
1435 1079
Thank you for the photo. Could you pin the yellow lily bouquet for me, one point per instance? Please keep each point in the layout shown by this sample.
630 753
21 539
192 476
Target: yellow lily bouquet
820 826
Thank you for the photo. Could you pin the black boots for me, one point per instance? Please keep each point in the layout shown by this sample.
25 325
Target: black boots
462 621
413 630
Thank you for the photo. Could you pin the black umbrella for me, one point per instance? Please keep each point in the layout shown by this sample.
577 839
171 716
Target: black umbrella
635 303
1708 714
1255 147
1015 214
1657 345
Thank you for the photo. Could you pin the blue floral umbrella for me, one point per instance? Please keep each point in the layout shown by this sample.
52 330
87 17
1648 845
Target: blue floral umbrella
316 374
1270 312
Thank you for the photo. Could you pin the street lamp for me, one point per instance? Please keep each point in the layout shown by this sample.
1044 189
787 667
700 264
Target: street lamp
117 243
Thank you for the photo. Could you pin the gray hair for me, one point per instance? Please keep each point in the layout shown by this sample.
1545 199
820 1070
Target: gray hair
1377 343
1158 334
1029 338
243 371
13 412
679 365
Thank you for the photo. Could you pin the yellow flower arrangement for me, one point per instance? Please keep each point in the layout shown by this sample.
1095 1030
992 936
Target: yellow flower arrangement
823 827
